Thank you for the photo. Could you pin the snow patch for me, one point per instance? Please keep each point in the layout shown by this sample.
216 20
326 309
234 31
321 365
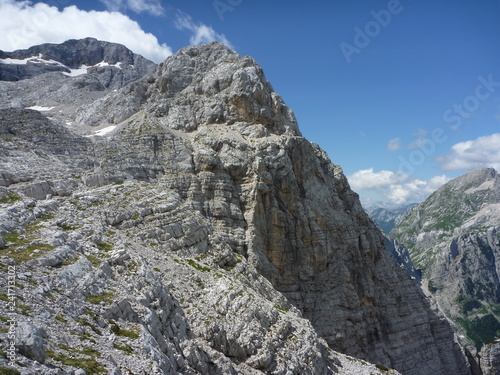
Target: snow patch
40 108
33 60
72 72
103 63
77 72
83 69
102 131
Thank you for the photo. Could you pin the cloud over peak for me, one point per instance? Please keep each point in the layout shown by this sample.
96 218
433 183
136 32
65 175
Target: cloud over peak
396 187
482 152
367 179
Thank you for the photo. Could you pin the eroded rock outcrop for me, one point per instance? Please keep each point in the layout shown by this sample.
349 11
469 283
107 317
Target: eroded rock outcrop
490 359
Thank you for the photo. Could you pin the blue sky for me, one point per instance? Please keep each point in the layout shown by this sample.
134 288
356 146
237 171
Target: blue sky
404 95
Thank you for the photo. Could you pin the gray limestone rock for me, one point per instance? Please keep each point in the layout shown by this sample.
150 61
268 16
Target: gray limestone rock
490 359
30 341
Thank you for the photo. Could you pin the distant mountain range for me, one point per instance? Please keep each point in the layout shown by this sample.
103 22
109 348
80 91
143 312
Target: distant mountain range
454 239
388 216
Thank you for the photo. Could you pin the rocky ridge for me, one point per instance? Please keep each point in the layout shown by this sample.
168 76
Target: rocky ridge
112 64
453 237
57 79
202 234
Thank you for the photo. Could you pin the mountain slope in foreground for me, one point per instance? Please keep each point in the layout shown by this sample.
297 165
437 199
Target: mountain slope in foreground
199 233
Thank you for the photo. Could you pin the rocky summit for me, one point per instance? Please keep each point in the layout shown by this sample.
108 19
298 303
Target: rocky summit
182 225
453 238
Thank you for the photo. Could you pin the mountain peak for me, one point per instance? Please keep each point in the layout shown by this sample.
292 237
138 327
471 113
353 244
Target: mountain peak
475 178
73 57
199 85
76 52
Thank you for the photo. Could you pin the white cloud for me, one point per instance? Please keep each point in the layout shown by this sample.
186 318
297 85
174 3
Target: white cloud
152 7
24 25
394 144
201 33
366 179
483 152
416 190
393 187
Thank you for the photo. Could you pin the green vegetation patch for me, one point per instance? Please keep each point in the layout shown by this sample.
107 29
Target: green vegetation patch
481 330
86 337
96 261
8 371
123 332
280 309
106 297
11 197
24 247
123 347
92 314
104 246
24 309
468 304
68 227
383 368
90 365
197 266
60 318
495 309
83 321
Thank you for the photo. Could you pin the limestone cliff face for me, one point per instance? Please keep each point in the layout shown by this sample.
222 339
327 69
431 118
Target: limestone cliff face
236 245
489 358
